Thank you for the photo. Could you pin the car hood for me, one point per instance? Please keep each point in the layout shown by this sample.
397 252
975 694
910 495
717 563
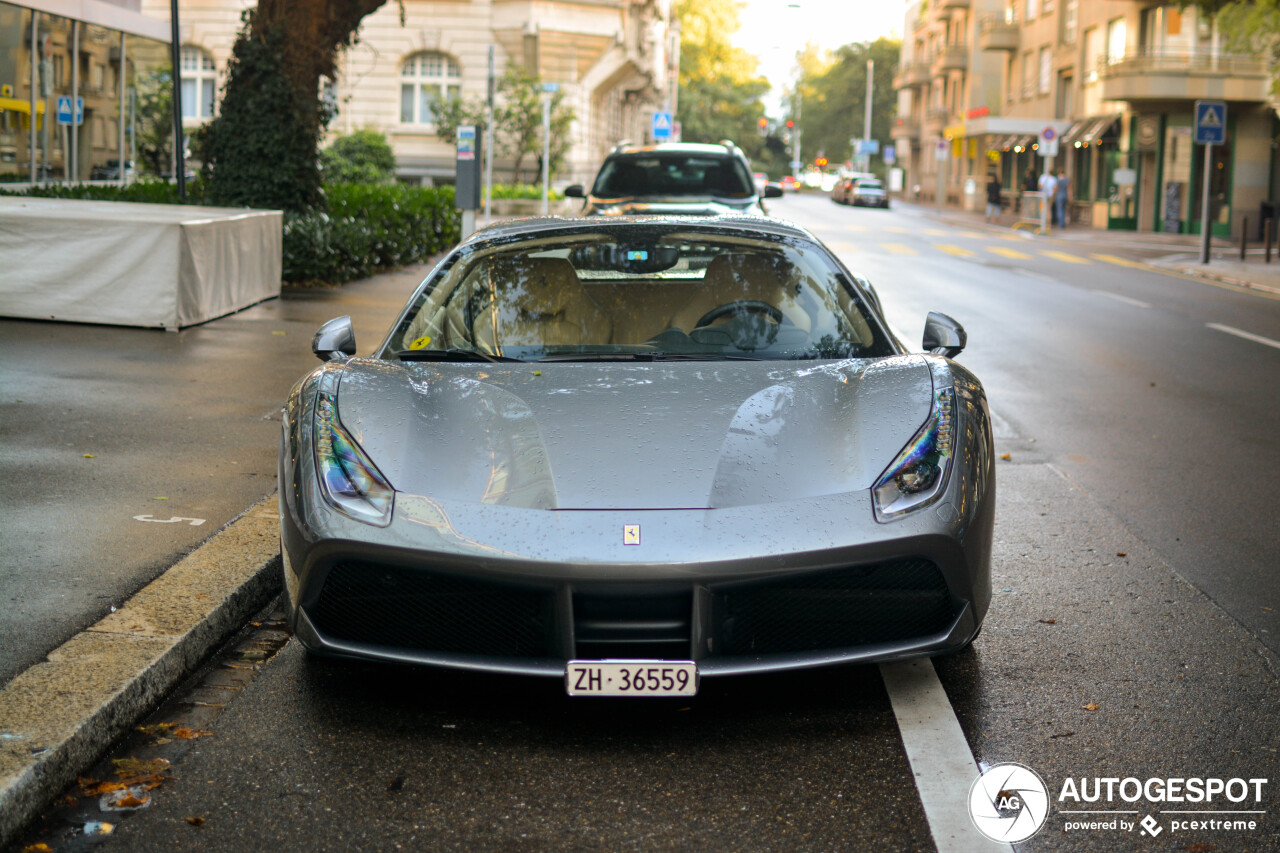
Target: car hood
634 436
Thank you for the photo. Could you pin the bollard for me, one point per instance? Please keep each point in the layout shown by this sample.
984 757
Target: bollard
1268 235
1244 236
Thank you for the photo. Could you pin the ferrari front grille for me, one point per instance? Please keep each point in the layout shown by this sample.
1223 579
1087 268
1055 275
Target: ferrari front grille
404 608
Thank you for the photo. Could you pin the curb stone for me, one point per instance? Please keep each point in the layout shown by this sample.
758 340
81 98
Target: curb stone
60 715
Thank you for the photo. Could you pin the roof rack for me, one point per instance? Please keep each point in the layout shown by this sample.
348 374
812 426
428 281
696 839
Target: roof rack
623 144
728 143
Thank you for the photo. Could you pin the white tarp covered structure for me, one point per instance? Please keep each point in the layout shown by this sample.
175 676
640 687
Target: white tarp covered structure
157 265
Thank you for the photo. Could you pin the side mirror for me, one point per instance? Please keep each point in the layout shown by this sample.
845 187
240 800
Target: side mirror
335 339
574 191
772 191
943 335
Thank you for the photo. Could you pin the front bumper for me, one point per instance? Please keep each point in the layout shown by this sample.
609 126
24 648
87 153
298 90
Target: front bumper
740 590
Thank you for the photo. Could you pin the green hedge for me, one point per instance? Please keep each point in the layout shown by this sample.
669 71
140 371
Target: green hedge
529 191
368 227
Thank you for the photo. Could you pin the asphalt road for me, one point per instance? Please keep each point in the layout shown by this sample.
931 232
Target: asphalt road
1133 631
99 424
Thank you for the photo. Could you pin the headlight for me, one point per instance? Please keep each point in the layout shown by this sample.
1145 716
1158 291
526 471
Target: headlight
917 476
350 481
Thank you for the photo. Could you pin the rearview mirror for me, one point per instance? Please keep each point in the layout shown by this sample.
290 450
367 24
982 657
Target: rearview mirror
335 339
772 191
574 191
943 335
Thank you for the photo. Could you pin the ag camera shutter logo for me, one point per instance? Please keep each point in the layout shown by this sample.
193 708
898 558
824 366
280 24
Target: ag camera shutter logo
1009 802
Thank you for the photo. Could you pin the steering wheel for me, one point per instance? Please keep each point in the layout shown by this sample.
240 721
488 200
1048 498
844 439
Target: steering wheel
740 306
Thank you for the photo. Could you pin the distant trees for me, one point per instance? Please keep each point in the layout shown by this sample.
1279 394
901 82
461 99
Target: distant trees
833 95
517 119
720 91
1250 26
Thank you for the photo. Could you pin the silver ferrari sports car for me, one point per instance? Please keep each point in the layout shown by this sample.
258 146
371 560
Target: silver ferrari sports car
634 452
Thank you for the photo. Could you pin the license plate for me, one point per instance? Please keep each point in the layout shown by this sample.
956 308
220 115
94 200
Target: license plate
631 678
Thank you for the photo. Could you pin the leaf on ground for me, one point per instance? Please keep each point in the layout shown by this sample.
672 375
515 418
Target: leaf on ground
195 821
1201 847
157 728
1006 456
1062 734
129 801
1092 706
94 788
277 333
90 456
1268 609
38 847
1121 554
159 499
1049 621
189 734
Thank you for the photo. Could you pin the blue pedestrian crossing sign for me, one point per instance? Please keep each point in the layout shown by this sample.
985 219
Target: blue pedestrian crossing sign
64 110
1211 122
661 127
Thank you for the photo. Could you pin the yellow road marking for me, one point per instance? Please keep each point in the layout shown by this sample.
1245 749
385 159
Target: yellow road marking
1011 237
843 246
974 235
1009 253
953 250
897 229
1063 256
852 227
898 248
1112 259
934 232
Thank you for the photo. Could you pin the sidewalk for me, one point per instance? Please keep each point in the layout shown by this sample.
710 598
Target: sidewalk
1178 253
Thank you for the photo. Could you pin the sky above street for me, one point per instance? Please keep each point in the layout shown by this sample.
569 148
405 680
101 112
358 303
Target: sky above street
775 30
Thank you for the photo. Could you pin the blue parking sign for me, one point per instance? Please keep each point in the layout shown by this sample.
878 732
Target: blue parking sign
661 127
1211 122
64 110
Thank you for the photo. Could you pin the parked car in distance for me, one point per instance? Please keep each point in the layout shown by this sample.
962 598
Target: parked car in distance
789 183
761 180
842 191
673 178
109 170
869 192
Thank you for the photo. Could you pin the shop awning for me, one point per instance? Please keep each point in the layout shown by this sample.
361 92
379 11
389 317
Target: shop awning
1088 130
1021 140
20 106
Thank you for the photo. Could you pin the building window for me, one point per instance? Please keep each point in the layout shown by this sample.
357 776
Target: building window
1116 36
1092 54
1033 9
1046 70
1028 75
199 82
1070 21
425 80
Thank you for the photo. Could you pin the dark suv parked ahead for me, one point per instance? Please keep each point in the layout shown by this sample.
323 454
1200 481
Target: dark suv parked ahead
673 178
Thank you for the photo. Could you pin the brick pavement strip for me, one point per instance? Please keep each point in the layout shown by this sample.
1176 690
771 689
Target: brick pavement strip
61 714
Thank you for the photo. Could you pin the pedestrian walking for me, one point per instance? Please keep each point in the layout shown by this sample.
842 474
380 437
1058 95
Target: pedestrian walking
1062 197
993 198
1028 184
1048 185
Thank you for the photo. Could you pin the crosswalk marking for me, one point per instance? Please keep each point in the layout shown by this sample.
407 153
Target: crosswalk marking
1009 253
934 232
1063 256
897 229
841 246
974 235
953 250
898 248
1112 259
853 227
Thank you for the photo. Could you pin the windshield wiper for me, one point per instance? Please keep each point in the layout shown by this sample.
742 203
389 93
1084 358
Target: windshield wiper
647 356
450 355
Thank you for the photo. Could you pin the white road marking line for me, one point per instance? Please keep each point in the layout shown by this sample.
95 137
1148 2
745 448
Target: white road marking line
1125 299
1248 336
939 755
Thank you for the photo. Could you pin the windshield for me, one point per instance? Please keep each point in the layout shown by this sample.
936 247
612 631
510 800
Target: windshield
673 174
651 294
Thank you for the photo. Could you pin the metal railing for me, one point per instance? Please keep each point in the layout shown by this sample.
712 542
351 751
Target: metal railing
1167 62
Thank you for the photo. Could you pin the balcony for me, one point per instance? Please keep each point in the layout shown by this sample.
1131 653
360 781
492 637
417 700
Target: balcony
1150 76
905 128
952 57
953 5
911 75
935 119
997 32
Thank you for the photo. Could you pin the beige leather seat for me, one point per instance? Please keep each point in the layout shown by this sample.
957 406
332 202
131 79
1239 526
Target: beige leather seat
755 277
539 302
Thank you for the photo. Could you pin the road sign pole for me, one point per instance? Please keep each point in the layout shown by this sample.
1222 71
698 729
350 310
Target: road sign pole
1204 206
546 149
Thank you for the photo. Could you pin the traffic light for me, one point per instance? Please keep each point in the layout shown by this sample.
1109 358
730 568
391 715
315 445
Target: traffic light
763 122
821 162
790 123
